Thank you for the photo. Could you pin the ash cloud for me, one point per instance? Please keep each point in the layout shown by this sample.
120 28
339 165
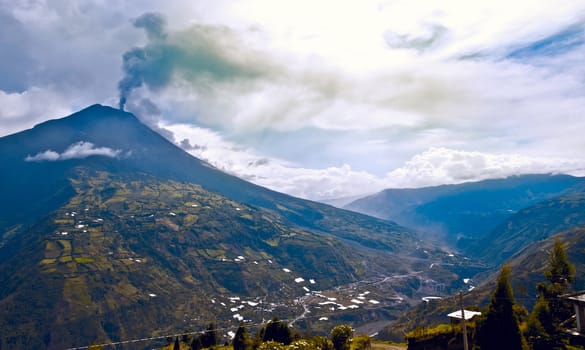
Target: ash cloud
154 23
198 55
77 150
135 61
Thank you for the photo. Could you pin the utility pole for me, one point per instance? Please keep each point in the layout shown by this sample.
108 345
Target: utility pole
465 346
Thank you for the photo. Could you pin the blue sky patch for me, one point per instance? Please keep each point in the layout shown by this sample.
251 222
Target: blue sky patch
559 43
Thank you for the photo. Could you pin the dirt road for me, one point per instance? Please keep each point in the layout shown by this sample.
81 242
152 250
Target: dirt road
379 346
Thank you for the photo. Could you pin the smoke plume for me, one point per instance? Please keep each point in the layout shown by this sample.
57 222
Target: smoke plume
197 54
136 60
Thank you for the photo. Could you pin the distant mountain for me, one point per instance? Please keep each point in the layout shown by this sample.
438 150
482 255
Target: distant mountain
464 212
529 225
108 231
341 201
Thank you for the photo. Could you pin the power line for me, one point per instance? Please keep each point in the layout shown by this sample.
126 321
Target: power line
138 340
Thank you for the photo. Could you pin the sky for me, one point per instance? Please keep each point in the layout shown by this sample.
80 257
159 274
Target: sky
319 99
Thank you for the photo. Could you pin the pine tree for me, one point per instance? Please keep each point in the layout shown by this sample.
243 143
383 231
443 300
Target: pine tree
196 344
545 326
560 275
278 331
241 339
210 338
499 329
540 326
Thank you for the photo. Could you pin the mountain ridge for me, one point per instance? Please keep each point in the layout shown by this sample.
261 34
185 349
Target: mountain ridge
158 157
114 221
465 212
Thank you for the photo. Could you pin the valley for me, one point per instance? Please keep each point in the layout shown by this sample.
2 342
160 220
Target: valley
109 249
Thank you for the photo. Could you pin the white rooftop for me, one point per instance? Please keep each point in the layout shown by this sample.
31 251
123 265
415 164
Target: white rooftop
468 314
579 297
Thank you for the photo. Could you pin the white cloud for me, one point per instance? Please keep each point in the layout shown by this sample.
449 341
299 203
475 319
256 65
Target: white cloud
274 173
360 87
438 166
77 150
47 155
432 167
22 110
338 74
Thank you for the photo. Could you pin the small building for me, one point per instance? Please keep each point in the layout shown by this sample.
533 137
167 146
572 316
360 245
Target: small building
578 300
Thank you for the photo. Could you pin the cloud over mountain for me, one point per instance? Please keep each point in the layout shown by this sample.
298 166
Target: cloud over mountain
434 166
364 88
78 150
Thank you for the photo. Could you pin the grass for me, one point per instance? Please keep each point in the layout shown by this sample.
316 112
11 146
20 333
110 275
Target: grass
215 253
65 259
190 219
65 246
273 242
381 345
430 332
52 250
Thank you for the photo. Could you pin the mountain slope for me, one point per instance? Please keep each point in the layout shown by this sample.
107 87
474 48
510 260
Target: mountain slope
122 249
464 211
109 232
30 189
529 225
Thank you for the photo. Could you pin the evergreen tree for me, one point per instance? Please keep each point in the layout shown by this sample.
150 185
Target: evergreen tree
540 326
545 326
257 340
499 329
210 338
278 331
560 275
340 336
241 339
196 344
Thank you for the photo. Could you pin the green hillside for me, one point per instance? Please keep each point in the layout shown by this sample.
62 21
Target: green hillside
530 225
133 256
527 270
126 257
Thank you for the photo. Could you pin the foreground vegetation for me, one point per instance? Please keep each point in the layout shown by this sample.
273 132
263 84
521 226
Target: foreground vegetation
506 325
275 335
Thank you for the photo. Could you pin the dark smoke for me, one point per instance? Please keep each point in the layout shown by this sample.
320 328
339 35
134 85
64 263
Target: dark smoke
209 53
154 23
136 61
122 103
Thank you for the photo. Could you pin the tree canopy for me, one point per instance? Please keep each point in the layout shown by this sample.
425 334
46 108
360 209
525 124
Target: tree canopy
499 329
340 336
551 312
278 331
241 339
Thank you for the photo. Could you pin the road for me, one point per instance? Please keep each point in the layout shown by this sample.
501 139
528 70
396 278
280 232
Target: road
380 346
